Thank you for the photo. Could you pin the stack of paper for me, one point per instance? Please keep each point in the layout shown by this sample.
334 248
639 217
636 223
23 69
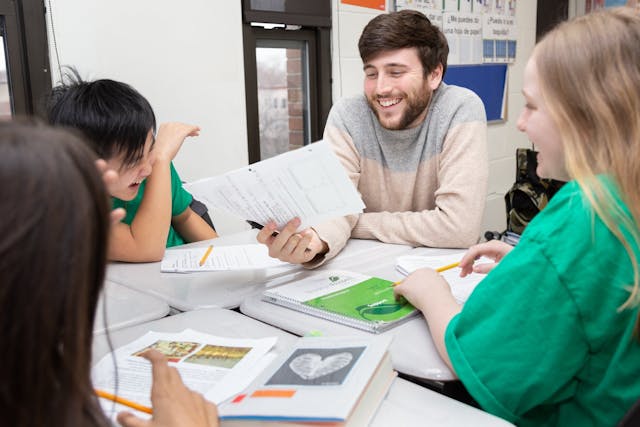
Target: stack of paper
461 287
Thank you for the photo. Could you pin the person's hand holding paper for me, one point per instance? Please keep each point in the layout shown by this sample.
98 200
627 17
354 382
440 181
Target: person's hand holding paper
286 195
291 246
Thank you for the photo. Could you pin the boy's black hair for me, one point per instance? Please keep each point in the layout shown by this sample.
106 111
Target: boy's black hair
112 115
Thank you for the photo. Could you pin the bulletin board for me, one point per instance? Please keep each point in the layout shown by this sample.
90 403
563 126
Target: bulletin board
488 81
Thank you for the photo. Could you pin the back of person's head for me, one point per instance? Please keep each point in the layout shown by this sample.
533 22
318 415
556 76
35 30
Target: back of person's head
112 115
589 75
53 245
405 29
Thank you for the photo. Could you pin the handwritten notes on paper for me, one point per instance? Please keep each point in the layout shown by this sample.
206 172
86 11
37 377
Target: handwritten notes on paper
309 183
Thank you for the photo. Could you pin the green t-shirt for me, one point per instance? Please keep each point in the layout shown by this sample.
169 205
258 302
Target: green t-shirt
180 200
541 341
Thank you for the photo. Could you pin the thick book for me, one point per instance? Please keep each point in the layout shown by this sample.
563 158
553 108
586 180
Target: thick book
337 381
352 299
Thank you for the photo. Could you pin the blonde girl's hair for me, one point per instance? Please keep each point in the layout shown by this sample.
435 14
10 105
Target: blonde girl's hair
589 73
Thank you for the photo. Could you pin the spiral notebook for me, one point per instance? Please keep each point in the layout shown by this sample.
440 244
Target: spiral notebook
352 299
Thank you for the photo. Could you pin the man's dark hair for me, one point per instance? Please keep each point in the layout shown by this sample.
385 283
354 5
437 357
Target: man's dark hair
405 29
112 115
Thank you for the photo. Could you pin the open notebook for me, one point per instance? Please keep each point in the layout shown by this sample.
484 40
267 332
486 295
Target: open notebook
461 287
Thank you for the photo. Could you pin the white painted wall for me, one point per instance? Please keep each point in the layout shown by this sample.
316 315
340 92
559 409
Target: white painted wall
187 59
504 138
184 57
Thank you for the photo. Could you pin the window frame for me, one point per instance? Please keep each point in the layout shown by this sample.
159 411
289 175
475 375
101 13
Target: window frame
24 30
315 31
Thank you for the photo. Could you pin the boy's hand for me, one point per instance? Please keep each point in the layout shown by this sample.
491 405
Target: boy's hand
173 403
170 138
110 177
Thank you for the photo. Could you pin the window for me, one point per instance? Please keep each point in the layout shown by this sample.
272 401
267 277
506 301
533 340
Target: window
5 96
287 75
24 61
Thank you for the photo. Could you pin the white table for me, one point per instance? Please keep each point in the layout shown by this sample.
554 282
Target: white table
412 349
120 307
406 404
192 291
227 289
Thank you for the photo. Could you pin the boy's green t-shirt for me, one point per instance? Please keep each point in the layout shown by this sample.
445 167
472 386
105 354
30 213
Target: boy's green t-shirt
180 200
541 340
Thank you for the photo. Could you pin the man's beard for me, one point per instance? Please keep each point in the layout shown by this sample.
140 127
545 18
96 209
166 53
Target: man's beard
415 107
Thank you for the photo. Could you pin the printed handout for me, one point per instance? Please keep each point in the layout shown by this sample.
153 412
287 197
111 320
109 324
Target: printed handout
308 183
217 367
220 258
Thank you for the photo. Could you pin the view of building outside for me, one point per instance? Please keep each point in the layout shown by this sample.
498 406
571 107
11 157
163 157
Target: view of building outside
5 99
282 98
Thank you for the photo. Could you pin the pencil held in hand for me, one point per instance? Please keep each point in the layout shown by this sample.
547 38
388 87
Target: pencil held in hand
121 400
438 270
447 267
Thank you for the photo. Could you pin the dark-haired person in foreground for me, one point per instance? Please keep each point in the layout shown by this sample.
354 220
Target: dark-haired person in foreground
121 125
52 265
414 147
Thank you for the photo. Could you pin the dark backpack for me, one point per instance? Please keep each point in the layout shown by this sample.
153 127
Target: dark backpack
529 194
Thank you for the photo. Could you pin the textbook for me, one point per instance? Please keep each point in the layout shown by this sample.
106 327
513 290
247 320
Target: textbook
217 367
336 381
461 287
352 299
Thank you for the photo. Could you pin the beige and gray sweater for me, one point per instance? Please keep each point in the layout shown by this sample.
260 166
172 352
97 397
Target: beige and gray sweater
424 186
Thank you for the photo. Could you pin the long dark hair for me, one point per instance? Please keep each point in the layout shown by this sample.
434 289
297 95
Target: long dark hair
53 243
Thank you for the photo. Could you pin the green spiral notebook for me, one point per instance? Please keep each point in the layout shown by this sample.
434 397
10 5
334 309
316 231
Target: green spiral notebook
352 299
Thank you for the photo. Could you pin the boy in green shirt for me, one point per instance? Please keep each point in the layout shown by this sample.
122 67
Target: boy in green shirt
121 126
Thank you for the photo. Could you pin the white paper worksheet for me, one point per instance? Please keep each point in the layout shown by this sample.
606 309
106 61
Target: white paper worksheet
309 183
219 258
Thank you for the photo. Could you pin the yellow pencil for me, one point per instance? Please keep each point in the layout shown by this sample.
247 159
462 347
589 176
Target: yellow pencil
447 267
205 256
123 401
438 270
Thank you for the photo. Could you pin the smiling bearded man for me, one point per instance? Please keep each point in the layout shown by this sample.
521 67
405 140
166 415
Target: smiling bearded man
414 147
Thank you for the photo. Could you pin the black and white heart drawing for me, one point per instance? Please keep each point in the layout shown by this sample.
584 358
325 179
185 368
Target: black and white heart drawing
310 366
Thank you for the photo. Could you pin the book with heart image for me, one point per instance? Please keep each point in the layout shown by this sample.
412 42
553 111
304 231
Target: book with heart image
352 299
339 381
